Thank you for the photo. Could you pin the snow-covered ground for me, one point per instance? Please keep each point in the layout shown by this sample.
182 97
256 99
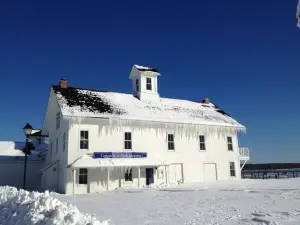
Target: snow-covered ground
19 207
225 202
228 203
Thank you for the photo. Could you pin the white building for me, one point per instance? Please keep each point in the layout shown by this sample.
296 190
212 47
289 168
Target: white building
12 162
104 140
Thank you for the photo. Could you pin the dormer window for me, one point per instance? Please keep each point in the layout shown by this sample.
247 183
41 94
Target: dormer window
137 87
144 83
149 84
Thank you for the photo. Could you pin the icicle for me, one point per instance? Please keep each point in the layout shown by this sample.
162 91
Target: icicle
182 130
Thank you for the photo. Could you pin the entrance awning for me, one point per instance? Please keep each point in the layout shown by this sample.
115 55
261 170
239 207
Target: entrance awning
88 161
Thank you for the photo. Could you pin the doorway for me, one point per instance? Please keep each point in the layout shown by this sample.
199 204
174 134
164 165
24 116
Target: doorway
210 172
149 176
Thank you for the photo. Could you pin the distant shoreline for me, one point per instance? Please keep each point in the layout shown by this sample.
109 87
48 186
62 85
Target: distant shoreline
271 166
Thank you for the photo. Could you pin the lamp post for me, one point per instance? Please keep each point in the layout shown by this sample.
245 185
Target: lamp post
27 131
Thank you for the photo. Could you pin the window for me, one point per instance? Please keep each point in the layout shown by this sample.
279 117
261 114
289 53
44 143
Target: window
83 176
57 120
84 139
229 143
127 143
171 145
137 87
64 142
202 143
56 145
128 175
232 169
149 83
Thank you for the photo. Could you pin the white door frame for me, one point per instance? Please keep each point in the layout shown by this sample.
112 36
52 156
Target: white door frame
216 170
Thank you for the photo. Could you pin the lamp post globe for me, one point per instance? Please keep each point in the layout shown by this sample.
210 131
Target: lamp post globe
27 130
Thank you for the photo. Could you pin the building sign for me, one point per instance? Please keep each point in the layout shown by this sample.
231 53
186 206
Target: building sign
103 155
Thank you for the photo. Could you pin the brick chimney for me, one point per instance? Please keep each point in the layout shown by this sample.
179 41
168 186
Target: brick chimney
63 83
205 101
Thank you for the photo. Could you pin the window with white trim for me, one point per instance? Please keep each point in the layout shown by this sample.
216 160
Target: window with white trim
127 141
202 143
232 169
83 176
128 175
148 83
57 120
64 142
84 139
137 87
56 145
171 144
229 144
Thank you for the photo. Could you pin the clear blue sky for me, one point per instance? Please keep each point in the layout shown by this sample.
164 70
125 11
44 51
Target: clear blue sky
243 55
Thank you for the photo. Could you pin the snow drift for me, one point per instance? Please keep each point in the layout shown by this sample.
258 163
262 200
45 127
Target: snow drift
20 207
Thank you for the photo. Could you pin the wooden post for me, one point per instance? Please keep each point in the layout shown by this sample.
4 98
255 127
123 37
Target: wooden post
139 176
168 172
74 180
108 178
182 174
166 175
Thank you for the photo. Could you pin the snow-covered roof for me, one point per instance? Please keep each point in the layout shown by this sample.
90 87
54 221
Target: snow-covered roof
78 102
10 150
145 68
37 133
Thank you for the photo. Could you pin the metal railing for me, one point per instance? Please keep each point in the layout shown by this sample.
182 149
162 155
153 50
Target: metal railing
244 152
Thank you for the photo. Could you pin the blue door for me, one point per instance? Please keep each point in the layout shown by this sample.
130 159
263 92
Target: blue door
149 176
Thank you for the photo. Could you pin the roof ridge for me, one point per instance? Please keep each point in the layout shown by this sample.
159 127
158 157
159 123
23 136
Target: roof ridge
105 91
83 89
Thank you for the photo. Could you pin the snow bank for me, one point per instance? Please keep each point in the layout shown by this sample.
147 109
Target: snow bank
20 207
151 186
158 186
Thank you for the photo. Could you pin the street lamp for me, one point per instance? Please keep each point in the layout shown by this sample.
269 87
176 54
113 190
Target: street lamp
27 131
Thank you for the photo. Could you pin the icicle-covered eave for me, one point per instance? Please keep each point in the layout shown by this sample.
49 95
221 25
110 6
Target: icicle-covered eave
181 129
